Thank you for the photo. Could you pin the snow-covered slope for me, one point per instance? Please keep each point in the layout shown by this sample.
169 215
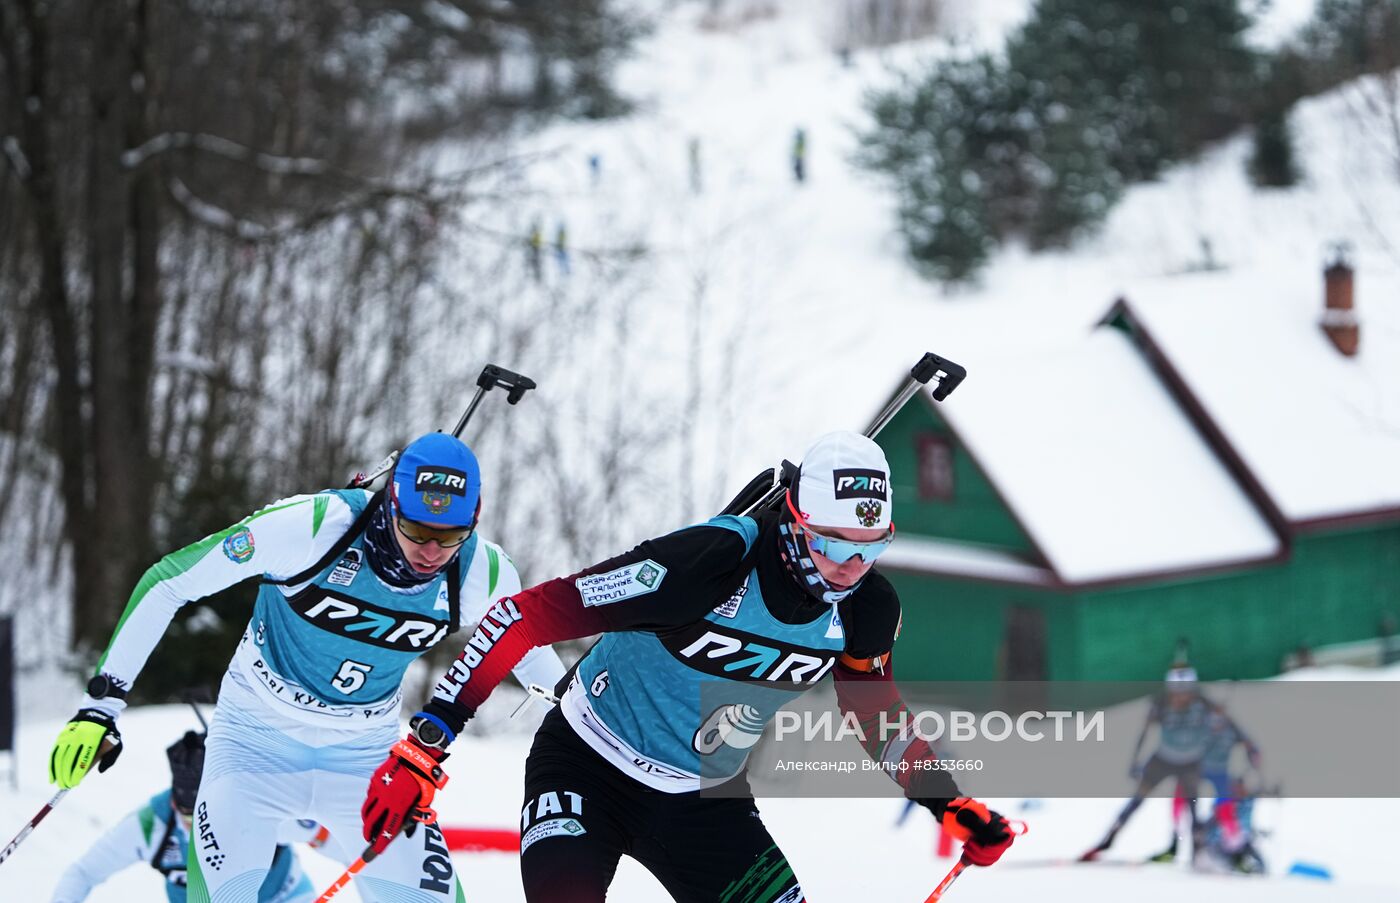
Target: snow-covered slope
807 309
840 849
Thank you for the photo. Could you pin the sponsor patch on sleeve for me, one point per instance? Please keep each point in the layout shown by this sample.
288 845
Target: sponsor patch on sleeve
238 546
628 582
555 827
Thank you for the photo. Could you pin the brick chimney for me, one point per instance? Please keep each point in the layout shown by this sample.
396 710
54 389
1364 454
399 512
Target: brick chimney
1339 315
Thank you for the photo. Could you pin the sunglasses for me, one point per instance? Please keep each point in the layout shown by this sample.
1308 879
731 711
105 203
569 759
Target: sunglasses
418 534
840 551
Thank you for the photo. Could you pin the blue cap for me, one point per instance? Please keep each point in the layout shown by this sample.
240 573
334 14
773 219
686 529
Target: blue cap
437 481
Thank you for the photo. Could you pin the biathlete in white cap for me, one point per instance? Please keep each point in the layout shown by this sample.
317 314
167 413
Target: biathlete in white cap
758 610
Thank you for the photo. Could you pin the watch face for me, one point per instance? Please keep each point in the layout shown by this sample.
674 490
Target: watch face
429 734
97 687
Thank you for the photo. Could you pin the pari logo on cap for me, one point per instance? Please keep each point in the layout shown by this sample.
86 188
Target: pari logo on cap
859 483
438 481
438 485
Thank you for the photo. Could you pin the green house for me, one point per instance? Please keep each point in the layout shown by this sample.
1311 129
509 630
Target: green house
1217 461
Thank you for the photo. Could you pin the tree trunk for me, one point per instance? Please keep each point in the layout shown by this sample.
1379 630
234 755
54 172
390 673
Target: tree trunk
70 426
146 284
117 529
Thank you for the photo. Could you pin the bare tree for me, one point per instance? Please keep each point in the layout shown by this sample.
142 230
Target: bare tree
877 23
197 193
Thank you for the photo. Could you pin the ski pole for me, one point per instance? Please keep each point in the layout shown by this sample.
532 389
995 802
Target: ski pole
420 816
764 490
1017 828
106 746
365 858
189 698
491 377
947 881
33 822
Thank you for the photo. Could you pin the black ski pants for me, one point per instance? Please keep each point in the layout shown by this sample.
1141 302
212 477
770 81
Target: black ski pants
582 814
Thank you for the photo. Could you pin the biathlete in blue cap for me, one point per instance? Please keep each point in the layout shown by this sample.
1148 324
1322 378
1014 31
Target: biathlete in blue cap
354 587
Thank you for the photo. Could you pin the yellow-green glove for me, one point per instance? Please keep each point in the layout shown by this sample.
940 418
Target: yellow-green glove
91 735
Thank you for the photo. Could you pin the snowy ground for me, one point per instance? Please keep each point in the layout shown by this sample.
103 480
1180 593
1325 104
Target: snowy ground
839 848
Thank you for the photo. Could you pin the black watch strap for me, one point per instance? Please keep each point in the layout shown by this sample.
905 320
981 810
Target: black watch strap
105 686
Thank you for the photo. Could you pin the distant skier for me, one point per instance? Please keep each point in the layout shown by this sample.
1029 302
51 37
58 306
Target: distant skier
158 834
799 155
1232 845
617 768
1228 831
697 184
561 249
1224 736
355 586
536 249
1182 716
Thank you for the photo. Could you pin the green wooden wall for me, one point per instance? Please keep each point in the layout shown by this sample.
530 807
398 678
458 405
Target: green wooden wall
1336 587
953 628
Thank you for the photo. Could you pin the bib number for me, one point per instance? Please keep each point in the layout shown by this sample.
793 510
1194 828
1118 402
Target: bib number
351 676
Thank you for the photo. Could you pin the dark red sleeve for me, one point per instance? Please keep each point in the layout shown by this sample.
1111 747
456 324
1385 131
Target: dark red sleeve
541 615
685 570
872 697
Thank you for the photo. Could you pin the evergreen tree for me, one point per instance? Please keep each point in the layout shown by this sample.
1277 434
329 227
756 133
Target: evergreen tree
1091 95
1154 80
934 138
1273 163
1347 38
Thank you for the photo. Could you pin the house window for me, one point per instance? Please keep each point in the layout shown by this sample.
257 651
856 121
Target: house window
935 454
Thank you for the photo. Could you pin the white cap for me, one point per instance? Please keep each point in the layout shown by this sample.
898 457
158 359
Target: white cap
1181 674
845 482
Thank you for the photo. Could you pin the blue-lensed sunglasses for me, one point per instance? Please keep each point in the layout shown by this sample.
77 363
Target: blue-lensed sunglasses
840 551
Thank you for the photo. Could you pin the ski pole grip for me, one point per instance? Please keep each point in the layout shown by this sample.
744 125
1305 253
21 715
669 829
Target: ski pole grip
498 377
949 374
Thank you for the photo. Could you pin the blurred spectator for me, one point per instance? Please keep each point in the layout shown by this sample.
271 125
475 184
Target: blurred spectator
799 155
536 242
693 151
561 248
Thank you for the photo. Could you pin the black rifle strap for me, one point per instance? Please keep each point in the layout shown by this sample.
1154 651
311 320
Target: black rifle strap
336 550
454 595
454 573
158 851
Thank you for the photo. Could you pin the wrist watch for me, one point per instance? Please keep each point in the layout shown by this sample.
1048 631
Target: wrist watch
428 732
104 686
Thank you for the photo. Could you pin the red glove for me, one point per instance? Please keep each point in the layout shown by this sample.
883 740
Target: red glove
985 834
401 792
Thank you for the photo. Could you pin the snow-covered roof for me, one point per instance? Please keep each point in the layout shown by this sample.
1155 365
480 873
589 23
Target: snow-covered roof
1319 430
925 554
1102 467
